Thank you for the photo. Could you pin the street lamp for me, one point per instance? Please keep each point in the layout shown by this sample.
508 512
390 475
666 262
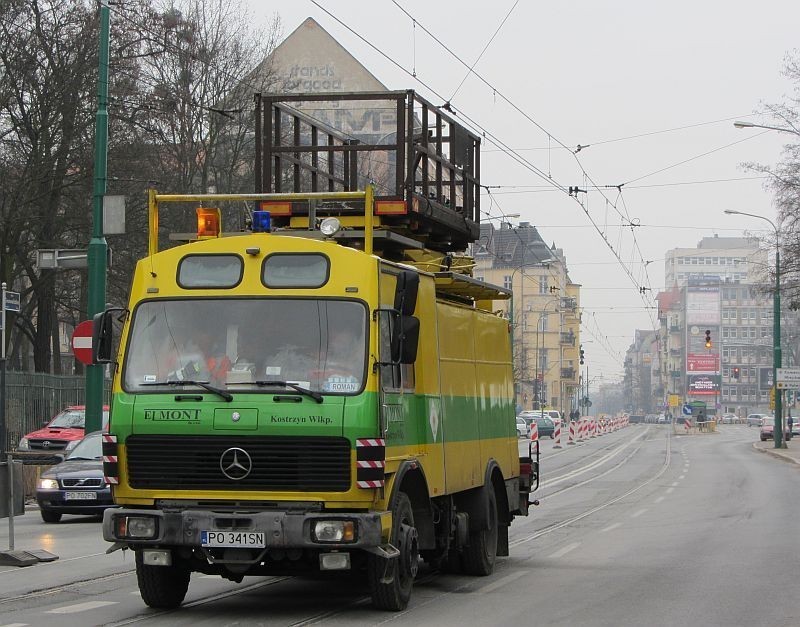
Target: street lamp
511 316
538 389
782 129
776 327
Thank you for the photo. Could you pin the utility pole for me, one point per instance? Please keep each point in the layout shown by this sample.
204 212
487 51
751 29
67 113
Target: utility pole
98 247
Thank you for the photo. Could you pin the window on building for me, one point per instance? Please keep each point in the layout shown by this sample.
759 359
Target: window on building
543 289
543 322
725 332
542 360
507 281
724 353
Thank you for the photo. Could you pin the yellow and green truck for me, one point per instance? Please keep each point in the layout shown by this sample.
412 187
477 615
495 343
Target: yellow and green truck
295 399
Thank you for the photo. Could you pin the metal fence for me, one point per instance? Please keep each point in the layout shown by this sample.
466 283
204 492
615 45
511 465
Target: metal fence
33 398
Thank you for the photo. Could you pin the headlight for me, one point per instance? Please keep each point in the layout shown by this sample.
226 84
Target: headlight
71 445
136 527
48 484
23 445
330 226
334 531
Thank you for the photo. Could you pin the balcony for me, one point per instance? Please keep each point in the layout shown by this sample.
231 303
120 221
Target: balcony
675 374
675 352
674 328
567 339
569 305
568 373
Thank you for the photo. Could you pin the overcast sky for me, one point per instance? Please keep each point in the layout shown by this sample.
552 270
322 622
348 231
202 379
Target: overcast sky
596 73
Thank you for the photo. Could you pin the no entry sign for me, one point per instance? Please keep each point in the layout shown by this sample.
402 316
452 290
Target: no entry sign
82 342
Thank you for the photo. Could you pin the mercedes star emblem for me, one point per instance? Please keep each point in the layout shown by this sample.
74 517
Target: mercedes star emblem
235 416
235 464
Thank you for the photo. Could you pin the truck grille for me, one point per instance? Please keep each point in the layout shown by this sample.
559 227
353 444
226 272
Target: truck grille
306 464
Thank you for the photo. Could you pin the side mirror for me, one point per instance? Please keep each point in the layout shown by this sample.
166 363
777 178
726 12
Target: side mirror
405 293
405 340
103 336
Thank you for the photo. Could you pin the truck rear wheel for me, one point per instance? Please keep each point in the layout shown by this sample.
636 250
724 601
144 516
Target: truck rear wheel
478 558
163 587
395 594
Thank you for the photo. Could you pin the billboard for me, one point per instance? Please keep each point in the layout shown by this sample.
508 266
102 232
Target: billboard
703 384
702 305
703 362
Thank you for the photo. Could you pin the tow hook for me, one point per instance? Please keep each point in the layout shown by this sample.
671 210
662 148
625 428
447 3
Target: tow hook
534 502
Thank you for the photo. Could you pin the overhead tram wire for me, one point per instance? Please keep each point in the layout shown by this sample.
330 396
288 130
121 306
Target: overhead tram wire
485 48
509 150
486 134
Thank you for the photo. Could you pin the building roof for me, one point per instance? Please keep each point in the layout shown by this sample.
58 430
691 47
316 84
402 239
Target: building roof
515 247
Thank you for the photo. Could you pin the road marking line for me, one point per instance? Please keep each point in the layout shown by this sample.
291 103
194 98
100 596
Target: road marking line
670 490
15 625
565 550
639 513
659 499
610 527
674 483
682 477
80 607
502 581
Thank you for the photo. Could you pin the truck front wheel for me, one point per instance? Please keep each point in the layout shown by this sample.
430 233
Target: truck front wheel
163 587
391 584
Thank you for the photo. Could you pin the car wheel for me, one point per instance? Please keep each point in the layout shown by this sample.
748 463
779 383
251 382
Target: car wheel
49 516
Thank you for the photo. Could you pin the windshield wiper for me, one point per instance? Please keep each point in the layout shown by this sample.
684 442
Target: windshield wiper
287 384
203 384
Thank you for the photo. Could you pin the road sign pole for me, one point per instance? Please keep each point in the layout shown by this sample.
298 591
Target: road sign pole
3 371
97 246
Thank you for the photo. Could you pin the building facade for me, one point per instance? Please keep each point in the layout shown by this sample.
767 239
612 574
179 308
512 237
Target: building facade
544 312
716 326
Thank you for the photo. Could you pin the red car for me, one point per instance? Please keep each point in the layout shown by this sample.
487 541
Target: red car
768 429
61 434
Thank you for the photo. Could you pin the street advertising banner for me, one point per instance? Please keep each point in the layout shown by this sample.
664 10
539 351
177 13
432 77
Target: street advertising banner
702 305
703 384
706 363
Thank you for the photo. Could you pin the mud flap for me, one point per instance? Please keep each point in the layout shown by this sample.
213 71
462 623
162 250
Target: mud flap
387 552
502 540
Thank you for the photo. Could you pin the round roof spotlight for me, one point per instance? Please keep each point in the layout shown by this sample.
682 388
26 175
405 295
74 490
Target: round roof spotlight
330 227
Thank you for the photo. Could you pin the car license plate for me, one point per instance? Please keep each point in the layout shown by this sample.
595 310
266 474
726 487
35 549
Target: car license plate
80 496
236 539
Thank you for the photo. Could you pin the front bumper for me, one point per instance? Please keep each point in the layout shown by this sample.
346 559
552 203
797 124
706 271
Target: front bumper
56 501
282 529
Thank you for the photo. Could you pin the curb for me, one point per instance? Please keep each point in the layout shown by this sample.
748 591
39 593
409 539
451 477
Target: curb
776 453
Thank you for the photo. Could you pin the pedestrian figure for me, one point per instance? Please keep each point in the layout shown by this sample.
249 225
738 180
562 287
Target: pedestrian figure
789 424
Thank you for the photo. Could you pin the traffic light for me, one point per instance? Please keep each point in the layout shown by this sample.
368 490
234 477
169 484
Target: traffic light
736 373
708 338
582 354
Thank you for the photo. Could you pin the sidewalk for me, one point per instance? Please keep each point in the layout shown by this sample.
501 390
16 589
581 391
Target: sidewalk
789 454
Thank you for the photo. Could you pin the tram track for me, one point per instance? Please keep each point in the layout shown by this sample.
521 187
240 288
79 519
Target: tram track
608 453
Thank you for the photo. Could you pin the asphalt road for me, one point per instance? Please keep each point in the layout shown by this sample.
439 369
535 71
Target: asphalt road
637 527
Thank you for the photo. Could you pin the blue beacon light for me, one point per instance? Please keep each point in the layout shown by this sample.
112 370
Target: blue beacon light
261 222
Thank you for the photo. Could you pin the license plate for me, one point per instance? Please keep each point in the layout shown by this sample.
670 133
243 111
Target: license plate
80 496
236 539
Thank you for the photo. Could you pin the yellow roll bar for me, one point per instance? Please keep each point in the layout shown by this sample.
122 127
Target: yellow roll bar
154 198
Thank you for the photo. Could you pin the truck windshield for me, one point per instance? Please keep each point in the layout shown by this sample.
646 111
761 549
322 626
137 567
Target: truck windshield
242 344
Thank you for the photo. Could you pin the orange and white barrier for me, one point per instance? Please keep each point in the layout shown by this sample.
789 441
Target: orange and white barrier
534 435
557 434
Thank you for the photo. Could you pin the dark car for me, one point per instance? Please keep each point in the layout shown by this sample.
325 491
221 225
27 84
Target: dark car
545 425
77 484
